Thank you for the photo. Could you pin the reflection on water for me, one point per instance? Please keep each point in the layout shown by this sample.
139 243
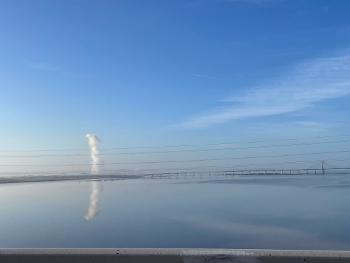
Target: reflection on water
218 212
94 200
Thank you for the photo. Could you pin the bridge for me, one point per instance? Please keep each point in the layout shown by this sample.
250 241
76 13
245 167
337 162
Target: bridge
257 172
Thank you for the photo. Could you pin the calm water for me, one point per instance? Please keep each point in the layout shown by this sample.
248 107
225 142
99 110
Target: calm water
242 212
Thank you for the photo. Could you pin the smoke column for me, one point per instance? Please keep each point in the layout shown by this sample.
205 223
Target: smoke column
93 142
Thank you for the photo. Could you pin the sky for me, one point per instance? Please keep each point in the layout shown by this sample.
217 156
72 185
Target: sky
151 74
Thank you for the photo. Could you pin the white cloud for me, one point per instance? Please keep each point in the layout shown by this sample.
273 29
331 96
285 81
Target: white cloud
306 84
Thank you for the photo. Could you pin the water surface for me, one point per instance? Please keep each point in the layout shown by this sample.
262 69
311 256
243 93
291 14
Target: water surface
300 212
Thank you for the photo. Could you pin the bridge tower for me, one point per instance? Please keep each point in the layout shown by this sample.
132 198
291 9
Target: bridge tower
323 167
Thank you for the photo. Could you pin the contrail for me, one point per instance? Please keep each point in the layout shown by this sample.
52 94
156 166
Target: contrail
93 142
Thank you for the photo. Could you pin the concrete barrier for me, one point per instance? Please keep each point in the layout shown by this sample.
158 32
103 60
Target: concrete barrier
170 255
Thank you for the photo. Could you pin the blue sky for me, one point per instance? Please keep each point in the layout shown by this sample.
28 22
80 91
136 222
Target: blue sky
172 72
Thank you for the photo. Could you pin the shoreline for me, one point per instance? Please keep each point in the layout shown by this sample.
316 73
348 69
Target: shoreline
60 178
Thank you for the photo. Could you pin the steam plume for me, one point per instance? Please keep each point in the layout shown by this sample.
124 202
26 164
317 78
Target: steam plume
93 142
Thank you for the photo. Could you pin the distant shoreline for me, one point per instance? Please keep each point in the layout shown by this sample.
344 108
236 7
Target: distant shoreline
88 177
58 178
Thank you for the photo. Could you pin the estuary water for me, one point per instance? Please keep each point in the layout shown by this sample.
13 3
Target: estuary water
272 212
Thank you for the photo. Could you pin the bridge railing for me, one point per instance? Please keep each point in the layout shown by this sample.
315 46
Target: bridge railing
170 255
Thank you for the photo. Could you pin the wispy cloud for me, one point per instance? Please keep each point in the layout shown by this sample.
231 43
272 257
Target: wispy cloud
42 66
203 76
305 85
